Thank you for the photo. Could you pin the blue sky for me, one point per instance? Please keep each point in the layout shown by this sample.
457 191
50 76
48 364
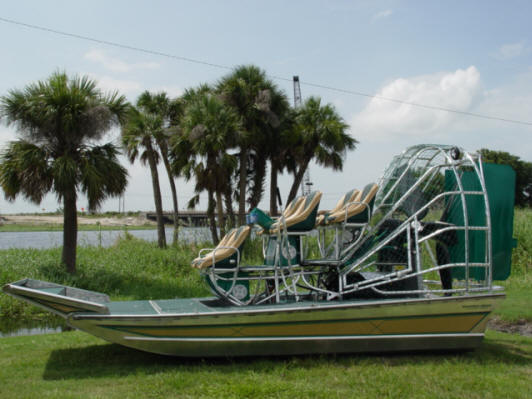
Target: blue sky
473 56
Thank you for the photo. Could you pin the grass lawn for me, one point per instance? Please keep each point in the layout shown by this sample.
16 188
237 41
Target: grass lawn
74 364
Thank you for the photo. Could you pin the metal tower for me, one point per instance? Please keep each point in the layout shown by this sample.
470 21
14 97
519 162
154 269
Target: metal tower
306 184
297 92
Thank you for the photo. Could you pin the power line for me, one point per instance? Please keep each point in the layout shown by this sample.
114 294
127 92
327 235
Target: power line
225 67
113 44
433 107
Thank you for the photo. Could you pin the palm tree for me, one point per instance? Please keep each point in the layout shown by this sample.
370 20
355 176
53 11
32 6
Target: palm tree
209 129
58 119
139 139
249 91
322 136
281 140
170 113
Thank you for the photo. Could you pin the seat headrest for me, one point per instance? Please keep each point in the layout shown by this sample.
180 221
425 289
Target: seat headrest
369 191
311 201
293 206
355 206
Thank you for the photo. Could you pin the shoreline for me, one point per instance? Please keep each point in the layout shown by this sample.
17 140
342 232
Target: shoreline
19 223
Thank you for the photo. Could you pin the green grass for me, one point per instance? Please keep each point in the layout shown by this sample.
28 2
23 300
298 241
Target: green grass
74 365
131 269
518 288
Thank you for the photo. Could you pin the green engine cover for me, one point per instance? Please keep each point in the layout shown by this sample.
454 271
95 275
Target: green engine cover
500 185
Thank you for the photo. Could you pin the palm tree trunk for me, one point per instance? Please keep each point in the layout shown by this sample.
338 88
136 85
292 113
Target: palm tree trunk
164 152
242 186
161 236
70 231
273 187
220 209
229 205
298 178
212 221
259 174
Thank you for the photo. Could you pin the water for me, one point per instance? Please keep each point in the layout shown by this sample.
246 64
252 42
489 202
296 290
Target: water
51 239
33 331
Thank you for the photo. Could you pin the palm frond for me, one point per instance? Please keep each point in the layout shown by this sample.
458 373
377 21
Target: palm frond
24 169
193 202
102 175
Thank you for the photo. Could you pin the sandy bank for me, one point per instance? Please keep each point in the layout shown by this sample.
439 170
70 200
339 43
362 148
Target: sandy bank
140 220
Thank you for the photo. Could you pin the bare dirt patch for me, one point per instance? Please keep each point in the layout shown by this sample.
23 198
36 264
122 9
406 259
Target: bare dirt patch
140 220
521 327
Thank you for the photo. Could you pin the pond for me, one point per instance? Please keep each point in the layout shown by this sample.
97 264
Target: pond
105 238
33 331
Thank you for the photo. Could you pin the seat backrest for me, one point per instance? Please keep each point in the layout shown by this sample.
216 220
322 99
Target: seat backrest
226 238
221 255
348 197
236 240
358 209
360 213
293 206
304 218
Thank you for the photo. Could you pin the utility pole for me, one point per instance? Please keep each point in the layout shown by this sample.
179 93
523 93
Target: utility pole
306 184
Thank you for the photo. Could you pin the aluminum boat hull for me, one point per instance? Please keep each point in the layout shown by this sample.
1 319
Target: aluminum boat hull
201 327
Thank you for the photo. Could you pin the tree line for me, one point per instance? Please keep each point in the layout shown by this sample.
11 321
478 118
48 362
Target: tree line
222 137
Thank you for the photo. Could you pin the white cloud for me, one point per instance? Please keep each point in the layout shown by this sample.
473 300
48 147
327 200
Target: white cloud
381 119
510 50
172 91
109 84
115 64
381 15
131 88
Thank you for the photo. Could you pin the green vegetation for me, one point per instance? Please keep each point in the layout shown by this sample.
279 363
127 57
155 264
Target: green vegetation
519 286
75 364
224 135
58 120
132 269
208 162
263 109
145 136
135 269
323 136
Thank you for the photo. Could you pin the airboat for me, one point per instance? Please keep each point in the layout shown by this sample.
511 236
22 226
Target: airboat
405 264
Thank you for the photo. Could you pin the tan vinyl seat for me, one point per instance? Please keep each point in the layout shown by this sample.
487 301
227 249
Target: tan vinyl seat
290 209
357 210
293 207
301 216
348 197
225 251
